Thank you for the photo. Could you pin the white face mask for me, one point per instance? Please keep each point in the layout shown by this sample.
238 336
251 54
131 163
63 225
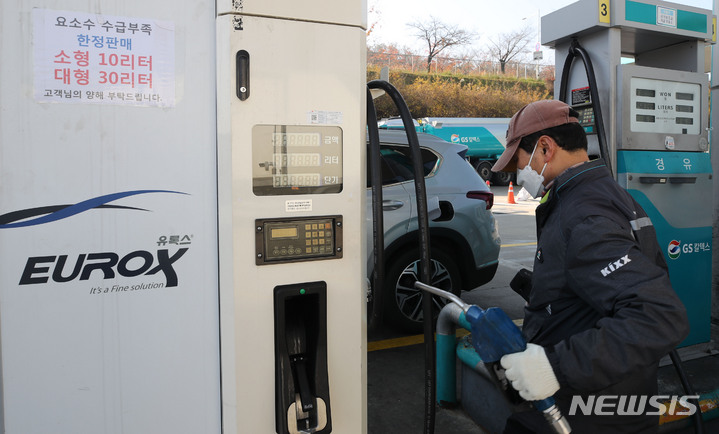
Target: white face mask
529 178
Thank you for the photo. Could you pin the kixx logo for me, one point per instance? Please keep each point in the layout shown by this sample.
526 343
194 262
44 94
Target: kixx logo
613 266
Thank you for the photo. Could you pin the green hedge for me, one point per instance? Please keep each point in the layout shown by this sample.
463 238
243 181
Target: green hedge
445 95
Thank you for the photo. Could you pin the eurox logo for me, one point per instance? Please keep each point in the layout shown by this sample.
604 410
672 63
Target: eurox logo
37 269
51 213
60 268
633 405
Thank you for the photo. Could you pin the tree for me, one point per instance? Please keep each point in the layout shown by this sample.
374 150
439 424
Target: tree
507 46
439 36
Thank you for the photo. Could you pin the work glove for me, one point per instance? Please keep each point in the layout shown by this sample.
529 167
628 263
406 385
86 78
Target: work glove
530 373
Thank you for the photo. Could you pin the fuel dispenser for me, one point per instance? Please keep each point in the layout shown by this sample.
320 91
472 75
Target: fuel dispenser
182 216
291 180
649 86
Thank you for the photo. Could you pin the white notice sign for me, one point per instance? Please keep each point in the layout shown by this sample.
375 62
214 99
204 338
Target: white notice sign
101 59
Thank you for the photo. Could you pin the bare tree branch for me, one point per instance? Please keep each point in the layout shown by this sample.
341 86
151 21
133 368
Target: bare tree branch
507 46
439 36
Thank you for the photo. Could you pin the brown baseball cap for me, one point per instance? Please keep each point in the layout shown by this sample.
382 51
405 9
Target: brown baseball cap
533 117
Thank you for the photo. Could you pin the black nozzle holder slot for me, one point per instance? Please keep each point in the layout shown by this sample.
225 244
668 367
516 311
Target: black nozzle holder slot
302 396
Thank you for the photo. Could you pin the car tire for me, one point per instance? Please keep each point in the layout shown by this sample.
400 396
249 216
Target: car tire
503 178
484 169
402 301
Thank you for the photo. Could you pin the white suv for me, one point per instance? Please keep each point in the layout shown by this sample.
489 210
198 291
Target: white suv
464 239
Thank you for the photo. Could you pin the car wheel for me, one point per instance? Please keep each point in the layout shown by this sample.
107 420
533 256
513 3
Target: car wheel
484 168
403 302
503 178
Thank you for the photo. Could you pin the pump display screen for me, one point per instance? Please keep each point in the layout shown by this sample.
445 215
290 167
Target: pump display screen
286 232
296 159
666 107
281 240
295 139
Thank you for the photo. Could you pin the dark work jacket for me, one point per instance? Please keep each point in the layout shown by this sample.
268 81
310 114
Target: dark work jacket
601 302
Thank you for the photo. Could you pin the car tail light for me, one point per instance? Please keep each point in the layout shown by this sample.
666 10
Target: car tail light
486 196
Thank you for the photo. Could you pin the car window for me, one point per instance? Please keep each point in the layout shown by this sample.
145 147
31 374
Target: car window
399 167
397 164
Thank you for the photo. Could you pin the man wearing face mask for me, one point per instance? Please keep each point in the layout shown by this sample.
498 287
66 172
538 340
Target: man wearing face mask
601 311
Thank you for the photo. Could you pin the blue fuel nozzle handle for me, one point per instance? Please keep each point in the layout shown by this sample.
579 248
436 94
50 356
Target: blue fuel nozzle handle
494 335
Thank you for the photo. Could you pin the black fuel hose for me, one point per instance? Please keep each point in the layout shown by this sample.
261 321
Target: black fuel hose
375 174
425 264
689 391
576 50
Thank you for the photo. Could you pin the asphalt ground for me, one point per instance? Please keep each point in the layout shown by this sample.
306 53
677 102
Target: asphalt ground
396 361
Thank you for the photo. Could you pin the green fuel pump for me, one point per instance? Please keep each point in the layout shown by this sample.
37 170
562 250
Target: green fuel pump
649 86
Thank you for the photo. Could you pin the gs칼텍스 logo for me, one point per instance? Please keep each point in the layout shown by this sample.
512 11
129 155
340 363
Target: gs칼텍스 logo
674 249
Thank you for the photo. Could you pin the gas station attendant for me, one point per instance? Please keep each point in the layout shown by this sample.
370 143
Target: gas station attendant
601 312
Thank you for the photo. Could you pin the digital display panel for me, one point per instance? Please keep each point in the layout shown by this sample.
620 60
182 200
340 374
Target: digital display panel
296 180
280 240
286 139
296 159
685 121
685 108
286 232
664 107
685 96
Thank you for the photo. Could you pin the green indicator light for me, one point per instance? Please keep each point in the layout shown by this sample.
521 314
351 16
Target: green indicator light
302 291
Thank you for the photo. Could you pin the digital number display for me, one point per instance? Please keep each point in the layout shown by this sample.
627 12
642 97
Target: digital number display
297 160
286 232
296 180
664 106
295 139
685 96
646 92
685 108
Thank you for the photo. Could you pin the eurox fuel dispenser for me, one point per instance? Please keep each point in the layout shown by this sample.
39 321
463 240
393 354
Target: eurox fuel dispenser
648 60
182 198
292 185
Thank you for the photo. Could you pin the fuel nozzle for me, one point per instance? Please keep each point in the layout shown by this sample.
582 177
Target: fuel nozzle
494 334
556 420
297 351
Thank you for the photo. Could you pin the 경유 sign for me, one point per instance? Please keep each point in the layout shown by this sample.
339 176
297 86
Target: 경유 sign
101 59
